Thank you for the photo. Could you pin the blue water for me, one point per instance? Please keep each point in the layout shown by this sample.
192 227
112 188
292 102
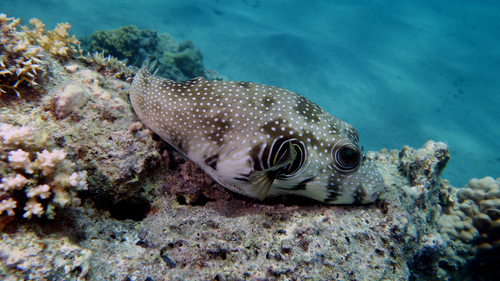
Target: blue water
401 72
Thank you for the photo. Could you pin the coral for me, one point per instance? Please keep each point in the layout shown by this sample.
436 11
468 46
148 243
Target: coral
47 161
8 205
79 180
33 208
180 61
122 43
20 61
421 169
42 191
186 58
57 42
19 159
12 135
432 243
479 202
108 65
41 183
16 182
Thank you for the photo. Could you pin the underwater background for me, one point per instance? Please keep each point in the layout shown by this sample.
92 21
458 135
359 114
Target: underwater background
401 72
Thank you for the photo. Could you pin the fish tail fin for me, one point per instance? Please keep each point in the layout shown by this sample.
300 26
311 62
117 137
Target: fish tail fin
151 64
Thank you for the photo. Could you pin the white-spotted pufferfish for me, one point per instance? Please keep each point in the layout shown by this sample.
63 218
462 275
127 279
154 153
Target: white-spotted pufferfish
257 140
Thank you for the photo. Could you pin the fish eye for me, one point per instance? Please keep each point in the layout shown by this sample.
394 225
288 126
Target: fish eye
347 157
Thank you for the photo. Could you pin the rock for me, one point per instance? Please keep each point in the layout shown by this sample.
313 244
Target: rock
70 98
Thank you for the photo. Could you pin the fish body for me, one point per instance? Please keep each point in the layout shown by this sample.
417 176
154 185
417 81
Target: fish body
257 140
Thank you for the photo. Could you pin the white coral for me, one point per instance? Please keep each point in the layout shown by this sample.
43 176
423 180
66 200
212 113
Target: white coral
17 182
62 198
15 135
8 205
79 180
42 191
33 208
47 161
19 159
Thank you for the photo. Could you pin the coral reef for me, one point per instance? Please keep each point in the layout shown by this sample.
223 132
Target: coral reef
480 203
20 62
57 42
107 66
40 186
122 43
129 207
469 224
22 52
180 61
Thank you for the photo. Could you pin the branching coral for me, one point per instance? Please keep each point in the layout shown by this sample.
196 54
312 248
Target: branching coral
108 65
43 184
19 60
21 51
57 42
14 135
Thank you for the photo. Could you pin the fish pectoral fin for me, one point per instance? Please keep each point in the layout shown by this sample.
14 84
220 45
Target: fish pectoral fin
261 181
260 184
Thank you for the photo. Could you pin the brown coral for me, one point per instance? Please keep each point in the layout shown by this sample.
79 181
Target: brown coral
480 201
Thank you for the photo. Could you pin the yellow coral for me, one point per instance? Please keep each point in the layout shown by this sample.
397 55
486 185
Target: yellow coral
57 42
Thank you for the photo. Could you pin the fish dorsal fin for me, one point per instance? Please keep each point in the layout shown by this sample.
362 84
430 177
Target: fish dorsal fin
261 181
151 64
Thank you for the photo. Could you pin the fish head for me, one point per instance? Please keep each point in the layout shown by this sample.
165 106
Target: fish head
330 168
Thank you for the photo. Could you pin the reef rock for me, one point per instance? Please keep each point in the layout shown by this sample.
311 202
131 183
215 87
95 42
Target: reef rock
71 97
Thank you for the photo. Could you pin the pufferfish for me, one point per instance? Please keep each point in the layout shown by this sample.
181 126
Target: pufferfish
257 140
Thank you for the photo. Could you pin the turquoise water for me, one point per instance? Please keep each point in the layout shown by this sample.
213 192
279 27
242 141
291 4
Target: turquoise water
401 72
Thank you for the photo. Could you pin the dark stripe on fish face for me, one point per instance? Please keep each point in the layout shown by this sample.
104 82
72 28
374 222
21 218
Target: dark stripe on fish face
255 155
212 161
302 185
359 195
